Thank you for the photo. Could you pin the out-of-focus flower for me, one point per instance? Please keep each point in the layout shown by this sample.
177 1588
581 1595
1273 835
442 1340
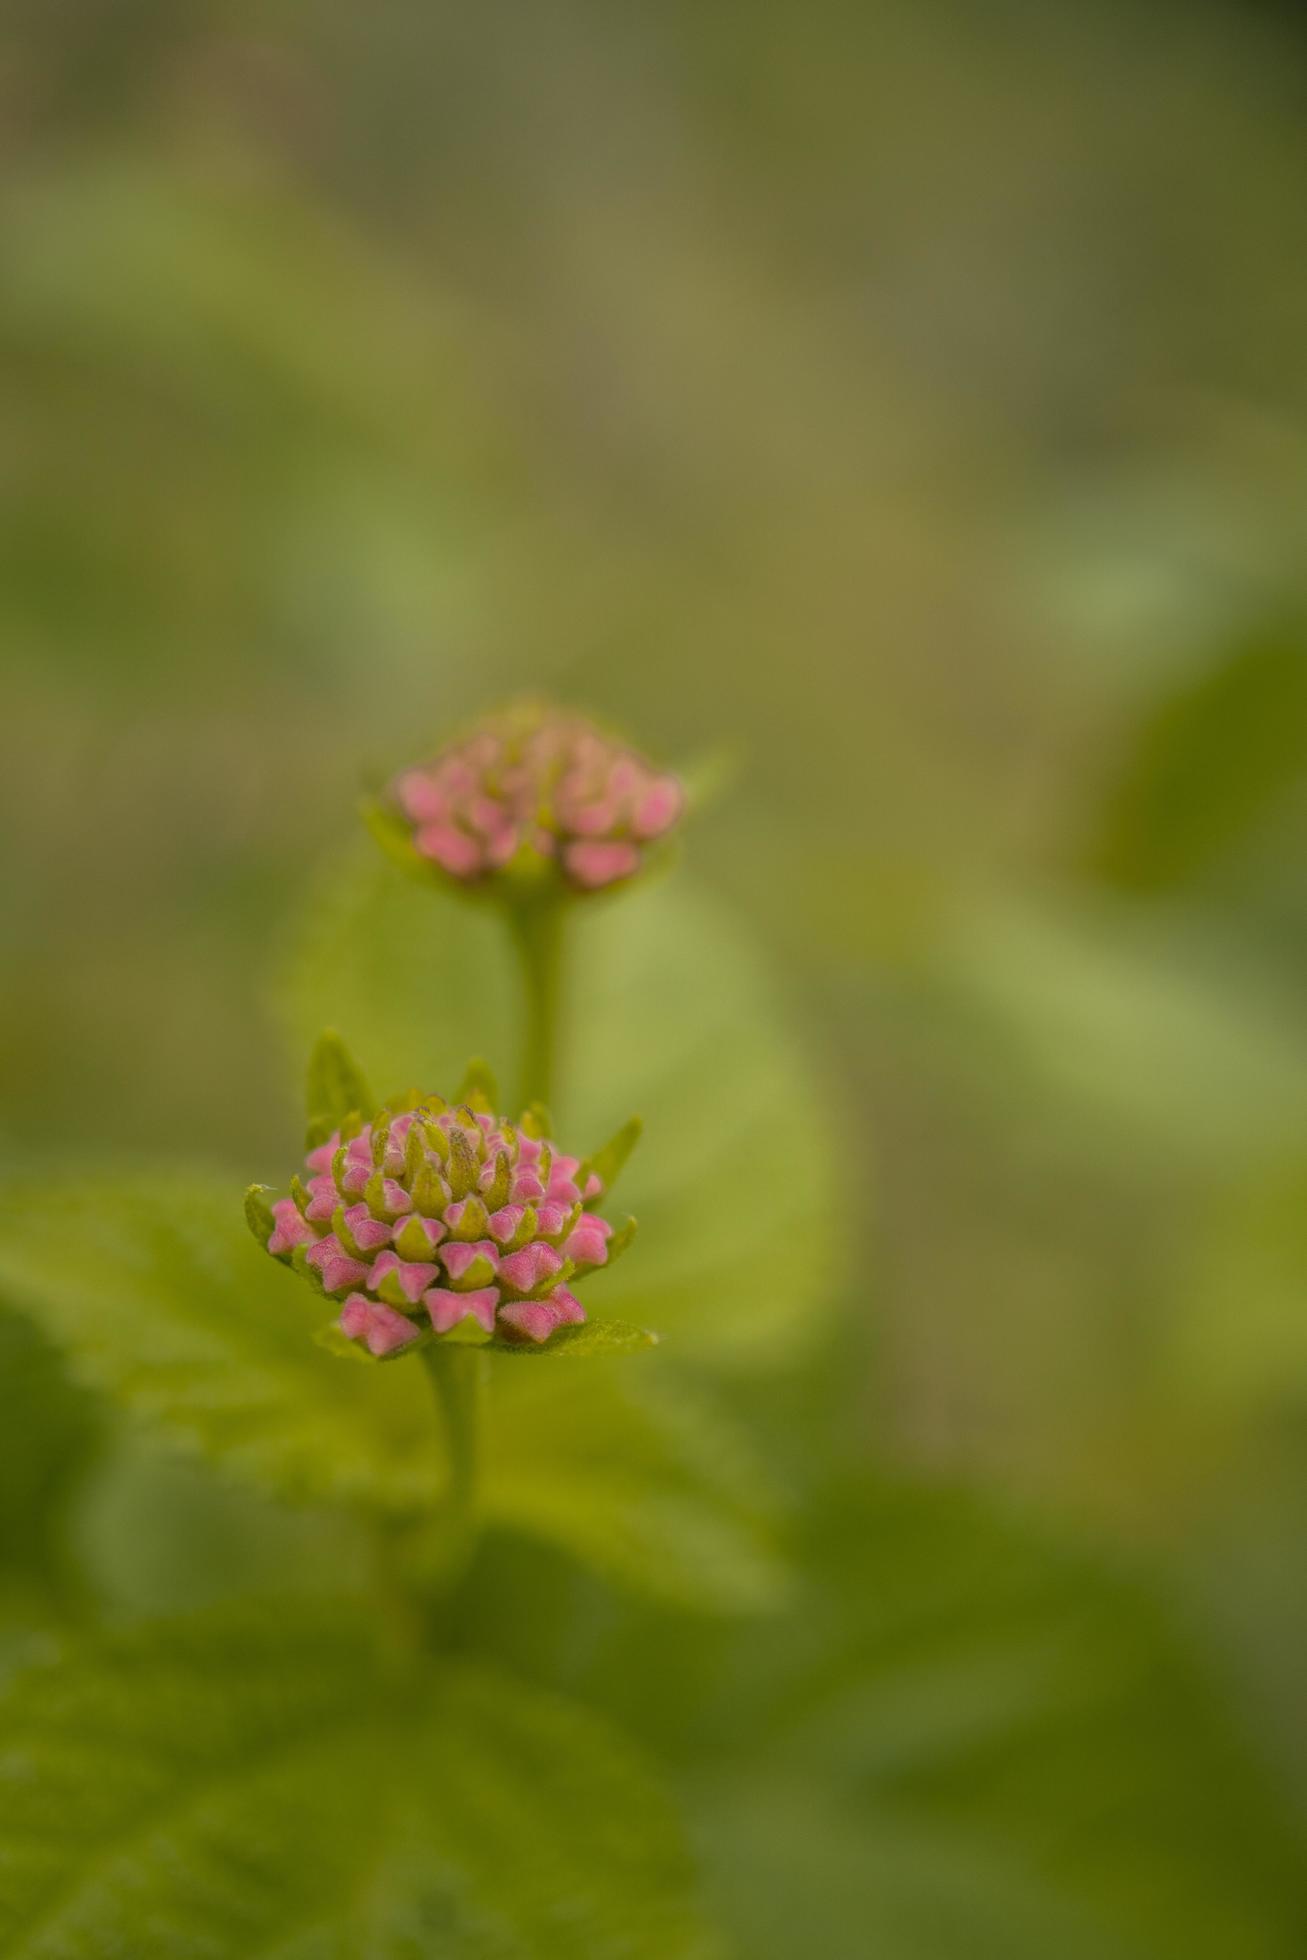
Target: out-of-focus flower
532 789
439 1222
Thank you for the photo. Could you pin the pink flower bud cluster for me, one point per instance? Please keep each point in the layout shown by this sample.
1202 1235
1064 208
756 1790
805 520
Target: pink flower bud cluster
543 784
452 1220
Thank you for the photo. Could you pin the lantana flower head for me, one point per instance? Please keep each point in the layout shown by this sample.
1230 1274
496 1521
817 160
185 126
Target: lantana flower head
533 789
439 1222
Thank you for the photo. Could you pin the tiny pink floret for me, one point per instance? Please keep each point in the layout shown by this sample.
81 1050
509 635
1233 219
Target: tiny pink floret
380 1328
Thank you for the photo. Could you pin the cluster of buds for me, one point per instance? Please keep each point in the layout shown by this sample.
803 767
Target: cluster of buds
440 1222
534 788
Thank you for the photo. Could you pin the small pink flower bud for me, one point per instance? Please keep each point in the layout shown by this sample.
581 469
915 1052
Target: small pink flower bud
536 787
395 1218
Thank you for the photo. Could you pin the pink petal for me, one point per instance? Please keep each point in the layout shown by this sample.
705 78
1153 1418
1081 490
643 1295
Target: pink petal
536 1319
593 865
587 1244
421 798
323 1199
451 848
458 1257
568 1308
505 1221
659 808
525 1269
447 1309
335 1265
527 1188
368 1233
412 1276
320 1159
380 1327
290 1228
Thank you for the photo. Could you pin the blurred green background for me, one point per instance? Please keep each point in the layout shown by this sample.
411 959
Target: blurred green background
908 402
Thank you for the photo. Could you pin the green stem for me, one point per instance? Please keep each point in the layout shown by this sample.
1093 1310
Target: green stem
457 1377
537 927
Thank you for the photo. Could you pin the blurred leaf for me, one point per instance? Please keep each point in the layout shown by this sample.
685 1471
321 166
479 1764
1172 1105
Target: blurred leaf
1089 1014
50 1429
234 1785
155 1290
1207 765
163 1301
966 1738
671 1014
592 1337
642 1477
335 1087
1239 1331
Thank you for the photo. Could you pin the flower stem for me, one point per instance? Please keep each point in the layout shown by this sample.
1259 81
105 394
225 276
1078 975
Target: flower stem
457 1377
537 928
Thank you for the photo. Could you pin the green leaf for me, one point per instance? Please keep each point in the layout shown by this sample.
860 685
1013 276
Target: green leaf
162 1300
594 1337
970 1737
607 1163
239 1785
478 1086
640 1474
1207 765
335 1088
671 1013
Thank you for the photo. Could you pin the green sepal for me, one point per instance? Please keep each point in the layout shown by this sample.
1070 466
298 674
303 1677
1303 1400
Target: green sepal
480 1273
393 834
467 1332
336 1088
329 1336
474 1222
463 1169
528 1228
606 1164
592 1337
410 1241
427 1193
479 1089
258 1213
536 1122
389 1289
374 1197
501 1187
346 1237
300 1264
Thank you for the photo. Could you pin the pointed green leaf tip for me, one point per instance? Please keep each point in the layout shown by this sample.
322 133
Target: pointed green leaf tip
258 1213
607 1163
479 1089
394 836
591 1338
336 1089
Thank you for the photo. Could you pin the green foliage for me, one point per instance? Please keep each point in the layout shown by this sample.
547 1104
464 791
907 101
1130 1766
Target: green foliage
162 1300
640 1475
964 1738
607 1163
154 1288
670 1013
335 1088
1208 766
594 1336
237 1785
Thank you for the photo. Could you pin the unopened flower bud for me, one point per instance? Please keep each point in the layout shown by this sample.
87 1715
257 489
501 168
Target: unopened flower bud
400 1222
533 789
